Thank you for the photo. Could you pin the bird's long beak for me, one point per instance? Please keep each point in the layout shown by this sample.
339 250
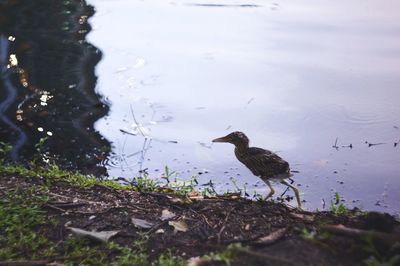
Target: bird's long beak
222 139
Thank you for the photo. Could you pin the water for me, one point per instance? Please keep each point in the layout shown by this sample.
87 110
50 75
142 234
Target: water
295 76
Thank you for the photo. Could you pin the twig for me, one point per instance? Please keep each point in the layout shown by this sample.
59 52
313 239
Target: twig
65 197
224 225
65 205
54 208
202 215
266 256
374 144
241 240
136 122
335 145
155 227
353 232
112 190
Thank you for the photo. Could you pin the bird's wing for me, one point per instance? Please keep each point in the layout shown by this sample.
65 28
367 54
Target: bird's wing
265 163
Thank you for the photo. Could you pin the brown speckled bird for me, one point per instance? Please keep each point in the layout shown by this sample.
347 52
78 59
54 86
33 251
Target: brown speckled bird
262 163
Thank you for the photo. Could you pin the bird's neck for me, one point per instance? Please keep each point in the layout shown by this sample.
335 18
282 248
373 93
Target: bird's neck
242 147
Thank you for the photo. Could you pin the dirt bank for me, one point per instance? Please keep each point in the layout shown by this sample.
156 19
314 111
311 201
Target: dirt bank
152 224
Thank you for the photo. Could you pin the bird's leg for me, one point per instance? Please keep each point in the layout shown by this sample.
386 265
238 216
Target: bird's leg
271 192
295 190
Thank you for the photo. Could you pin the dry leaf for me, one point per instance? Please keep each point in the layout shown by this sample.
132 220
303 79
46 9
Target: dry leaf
140 223
194 195
177 200
166 214
102 236
160 231
179 225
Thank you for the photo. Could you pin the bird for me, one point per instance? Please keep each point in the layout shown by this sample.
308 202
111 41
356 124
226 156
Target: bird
262 163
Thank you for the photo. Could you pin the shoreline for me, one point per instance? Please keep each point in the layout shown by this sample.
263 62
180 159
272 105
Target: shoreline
158 225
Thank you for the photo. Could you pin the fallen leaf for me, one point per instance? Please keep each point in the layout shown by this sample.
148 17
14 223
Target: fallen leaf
102 236
67 224
177 200
160 231
166 214
142 224
179 225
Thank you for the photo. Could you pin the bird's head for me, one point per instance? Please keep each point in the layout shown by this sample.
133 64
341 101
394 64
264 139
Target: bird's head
237 138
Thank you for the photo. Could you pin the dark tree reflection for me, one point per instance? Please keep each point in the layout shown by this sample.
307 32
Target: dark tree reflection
47 83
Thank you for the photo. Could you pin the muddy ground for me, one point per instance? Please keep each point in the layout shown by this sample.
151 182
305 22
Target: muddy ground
270 233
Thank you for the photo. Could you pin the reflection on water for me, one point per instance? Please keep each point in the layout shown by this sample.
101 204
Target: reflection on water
47 83
293 75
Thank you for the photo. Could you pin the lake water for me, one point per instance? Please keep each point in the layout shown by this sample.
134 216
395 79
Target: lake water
298 77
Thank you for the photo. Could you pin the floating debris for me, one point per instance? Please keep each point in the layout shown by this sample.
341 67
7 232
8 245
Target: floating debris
396 143
205 145
348 146
335 145
374 144
127 132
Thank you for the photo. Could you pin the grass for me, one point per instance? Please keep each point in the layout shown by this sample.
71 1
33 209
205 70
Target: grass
22 237
20 216
379 257
337 207
22 220
225 256
52 173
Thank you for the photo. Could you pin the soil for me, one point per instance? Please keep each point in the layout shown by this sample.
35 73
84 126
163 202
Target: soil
274 233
